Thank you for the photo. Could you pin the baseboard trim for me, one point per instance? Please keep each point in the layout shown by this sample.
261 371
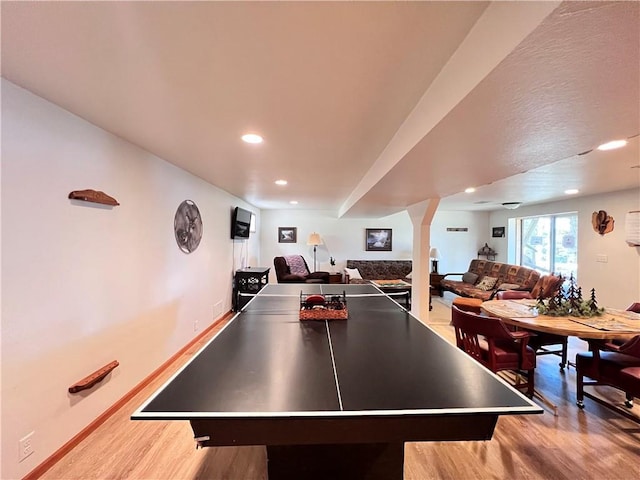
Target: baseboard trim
85 432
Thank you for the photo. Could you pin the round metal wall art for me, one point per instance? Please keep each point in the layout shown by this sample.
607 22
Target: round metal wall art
187 225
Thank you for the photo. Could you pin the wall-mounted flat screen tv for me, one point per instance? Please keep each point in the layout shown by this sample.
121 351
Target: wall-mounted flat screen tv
240 223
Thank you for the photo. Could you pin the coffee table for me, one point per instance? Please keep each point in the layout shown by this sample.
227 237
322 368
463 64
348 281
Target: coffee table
395 287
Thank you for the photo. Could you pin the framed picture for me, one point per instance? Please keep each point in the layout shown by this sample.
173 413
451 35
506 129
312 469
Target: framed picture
498 232
378 240
287 235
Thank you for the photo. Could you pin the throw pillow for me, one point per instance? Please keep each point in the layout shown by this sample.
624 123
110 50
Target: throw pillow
470 277
354 273
409 275
297 265
487 283
509 286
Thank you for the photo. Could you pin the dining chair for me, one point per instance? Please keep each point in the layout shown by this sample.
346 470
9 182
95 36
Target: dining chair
617 367
634 307
492 344
541 341
614 344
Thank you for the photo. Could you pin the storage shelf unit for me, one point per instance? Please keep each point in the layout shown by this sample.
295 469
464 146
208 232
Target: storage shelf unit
248 281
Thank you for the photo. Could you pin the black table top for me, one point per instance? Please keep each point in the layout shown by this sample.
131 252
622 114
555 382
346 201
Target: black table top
381 361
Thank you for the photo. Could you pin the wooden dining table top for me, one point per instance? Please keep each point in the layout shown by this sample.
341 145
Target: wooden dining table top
612 324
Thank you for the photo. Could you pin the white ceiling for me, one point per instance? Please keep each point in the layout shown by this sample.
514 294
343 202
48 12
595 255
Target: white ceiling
365 107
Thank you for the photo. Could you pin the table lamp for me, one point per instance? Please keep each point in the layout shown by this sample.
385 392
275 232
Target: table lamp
315 240
434 254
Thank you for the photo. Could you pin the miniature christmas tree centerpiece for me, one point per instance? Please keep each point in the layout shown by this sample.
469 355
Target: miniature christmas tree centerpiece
570 303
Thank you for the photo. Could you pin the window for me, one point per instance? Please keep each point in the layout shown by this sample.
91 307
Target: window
549 243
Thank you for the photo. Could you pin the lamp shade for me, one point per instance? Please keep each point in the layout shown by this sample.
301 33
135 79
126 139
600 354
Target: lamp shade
632 227
314 239
434 253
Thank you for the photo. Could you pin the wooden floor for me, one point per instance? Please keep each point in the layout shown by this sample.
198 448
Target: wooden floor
591 444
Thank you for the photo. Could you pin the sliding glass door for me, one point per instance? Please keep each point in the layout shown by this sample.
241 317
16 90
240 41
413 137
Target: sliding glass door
549 243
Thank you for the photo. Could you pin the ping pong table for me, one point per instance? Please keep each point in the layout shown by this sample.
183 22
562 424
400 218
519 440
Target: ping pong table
332 399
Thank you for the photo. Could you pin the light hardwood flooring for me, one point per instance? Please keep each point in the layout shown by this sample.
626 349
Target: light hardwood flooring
591 444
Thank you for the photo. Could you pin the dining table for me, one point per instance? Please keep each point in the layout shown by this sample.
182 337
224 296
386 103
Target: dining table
610 324
523 313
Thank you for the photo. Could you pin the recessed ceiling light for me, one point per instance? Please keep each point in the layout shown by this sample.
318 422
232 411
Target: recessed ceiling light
251 138
293 202
612 145
571 191
511 205
469 190
280 182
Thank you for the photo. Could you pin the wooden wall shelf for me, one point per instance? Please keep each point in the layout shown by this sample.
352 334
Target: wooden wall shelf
95 377
93 196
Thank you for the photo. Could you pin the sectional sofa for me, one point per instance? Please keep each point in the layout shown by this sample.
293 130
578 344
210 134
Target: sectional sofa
378 270
484 278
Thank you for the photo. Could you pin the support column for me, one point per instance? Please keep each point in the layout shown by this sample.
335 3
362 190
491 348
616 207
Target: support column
421 215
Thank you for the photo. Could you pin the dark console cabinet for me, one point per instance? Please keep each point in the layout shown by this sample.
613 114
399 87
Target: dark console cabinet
248 281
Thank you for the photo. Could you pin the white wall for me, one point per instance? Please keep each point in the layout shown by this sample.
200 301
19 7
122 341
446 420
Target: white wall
617 282
343 238
83 285
457 249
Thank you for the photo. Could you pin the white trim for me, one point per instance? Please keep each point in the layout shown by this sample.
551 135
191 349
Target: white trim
345 413
333 364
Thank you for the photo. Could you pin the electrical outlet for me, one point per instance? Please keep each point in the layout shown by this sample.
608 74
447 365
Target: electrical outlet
25 447
195 325
602 258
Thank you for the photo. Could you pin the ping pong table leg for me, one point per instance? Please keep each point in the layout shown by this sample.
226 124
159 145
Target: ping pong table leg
373 461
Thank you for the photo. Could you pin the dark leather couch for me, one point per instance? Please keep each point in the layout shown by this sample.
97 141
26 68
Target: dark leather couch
284 275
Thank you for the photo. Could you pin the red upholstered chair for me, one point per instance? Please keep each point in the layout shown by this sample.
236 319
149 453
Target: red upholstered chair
634 307
615 344
542 340
488 340
468 304
618 369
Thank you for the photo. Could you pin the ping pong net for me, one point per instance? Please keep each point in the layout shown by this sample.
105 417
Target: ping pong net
321 306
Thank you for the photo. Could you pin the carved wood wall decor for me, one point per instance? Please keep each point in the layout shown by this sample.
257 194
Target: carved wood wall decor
602 223
93 196
95 377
